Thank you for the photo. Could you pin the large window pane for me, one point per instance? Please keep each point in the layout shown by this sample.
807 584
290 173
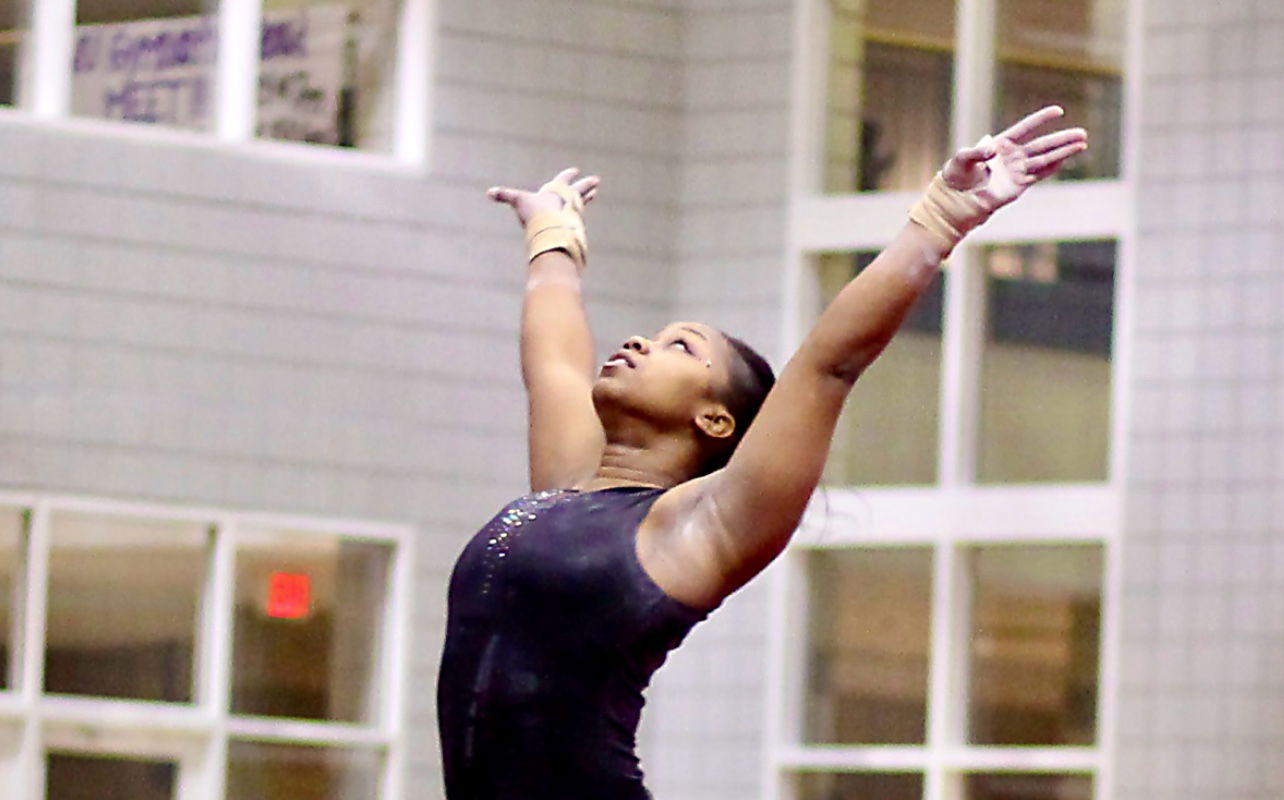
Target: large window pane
149 61
327 72
859 786
868 649
309 611
1027 787
1069 52
124 599
1045 391
86 777
889 93
12 528
284 772
14 25
889 428
1036 632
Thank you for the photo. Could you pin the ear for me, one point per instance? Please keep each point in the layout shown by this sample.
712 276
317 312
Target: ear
715 421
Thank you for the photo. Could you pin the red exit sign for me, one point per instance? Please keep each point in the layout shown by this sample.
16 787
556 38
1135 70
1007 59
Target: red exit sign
289 595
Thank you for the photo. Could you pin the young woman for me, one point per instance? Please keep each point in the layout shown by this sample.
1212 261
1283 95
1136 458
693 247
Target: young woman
654 496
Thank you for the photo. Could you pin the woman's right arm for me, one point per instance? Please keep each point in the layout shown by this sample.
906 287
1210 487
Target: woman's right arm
564 435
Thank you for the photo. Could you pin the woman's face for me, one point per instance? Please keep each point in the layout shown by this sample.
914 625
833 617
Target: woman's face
669 378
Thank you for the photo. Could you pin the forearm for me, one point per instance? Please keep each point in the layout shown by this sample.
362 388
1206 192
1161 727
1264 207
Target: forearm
555 332
862 318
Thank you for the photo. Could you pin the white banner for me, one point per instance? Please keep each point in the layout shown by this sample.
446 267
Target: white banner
162 71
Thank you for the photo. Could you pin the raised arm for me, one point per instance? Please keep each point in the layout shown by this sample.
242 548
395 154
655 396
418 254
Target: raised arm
564 435
746 513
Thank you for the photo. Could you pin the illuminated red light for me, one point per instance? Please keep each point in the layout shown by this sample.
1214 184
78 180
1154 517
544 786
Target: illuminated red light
289 595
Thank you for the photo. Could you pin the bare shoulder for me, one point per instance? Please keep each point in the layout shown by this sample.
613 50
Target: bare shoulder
676 548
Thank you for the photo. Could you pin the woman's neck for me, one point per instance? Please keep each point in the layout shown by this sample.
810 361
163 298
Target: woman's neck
662 464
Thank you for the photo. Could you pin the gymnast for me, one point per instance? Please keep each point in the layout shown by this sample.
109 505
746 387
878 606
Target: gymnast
661 482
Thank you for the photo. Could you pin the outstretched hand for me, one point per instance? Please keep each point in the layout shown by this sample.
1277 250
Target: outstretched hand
528 204
999 168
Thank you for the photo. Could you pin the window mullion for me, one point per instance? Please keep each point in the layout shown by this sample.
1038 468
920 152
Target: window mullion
963 334
31 651
974 71
948 678
414 80
239 35
215 668
46 74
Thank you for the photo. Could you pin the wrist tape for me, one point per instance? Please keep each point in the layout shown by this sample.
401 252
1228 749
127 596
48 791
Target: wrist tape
559 230
948 214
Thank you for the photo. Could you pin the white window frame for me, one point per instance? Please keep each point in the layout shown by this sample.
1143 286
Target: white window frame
196 734
45 90
955 513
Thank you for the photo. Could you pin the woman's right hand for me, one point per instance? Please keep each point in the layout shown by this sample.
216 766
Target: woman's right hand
528 204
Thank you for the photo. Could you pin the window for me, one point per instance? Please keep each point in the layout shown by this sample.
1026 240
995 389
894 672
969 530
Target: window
170 654
945 626
1045 364
347 75
888 432
890 71
14 28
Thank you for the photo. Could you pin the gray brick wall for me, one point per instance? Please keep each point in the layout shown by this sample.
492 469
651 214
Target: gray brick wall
196 324
704 737
1202 683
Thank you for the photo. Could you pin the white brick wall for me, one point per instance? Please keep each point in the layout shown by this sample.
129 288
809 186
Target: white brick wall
702 738
1203 658
192 324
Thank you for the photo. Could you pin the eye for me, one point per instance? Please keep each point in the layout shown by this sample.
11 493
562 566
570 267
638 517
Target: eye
681 343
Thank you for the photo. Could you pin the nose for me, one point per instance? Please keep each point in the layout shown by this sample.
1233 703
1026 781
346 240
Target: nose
640 344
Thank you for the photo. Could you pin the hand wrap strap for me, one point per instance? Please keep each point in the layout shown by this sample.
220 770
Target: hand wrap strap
559 230
948 214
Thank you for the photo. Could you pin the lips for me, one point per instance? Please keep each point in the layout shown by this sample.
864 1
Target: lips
620 358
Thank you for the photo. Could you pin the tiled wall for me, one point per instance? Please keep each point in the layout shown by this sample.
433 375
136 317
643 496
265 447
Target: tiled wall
194 324
1202 694
703 738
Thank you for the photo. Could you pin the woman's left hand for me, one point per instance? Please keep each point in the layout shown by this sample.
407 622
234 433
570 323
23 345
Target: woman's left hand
999 168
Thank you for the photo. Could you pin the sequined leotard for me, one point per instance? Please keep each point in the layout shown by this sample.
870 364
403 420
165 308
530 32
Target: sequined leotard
554 631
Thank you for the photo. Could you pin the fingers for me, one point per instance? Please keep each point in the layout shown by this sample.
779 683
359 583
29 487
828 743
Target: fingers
983 150
504 194
1054 157
567 175
587 187
1023 129
1054 140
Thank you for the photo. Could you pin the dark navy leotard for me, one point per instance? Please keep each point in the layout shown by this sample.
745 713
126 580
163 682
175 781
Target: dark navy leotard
554 631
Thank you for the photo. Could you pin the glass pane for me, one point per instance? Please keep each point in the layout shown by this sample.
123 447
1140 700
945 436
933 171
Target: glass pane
887 433
83 777
327 72
124 599
1036 634
1045 391
891 66
859 786
14 24
12 528
868 650
1069 52
309 611
287 772
1028 787
149 61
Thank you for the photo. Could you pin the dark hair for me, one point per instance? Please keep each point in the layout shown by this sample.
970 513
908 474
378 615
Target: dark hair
751 380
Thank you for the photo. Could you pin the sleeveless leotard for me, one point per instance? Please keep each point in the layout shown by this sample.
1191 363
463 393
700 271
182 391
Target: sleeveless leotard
554 630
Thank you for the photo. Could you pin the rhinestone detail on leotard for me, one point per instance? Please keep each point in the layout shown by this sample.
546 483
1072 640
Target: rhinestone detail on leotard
507 527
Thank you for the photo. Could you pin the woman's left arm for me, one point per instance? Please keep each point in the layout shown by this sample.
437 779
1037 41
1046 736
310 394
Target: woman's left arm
746 513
